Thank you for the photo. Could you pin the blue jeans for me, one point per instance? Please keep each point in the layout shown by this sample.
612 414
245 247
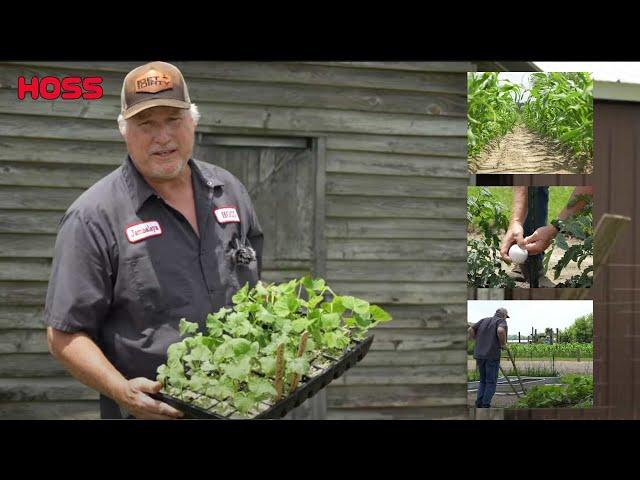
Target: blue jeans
488 369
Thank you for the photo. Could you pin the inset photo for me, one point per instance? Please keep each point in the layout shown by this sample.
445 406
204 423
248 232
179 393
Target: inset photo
530 353
530 237
530 122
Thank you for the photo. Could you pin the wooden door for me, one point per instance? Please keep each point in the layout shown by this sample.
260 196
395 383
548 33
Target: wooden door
280 176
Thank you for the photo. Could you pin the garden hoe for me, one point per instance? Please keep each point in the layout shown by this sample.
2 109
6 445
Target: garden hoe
515 390
515 369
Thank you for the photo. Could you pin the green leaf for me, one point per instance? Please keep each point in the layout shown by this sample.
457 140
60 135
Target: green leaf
330 339
300 325
220 390
263 316
243 402
268 365
241 295
239 369
198 383
241 346
214 326
221 313
361 307
260 290
361 321
348 302
298 365
293 304
162 374
318 285
176 351
261 388
186 328
207 366
314 301
330 321
378 314
237 324
281 307
201 354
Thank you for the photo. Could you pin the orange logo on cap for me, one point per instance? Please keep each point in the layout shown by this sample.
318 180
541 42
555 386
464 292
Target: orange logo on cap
153 82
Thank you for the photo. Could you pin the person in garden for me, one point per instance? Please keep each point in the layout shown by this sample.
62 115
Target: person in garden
161 238
490 335
536 237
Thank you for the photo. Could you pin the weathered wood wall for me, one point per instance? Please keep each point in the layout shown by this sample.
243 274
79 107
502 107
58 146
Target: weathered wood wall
395 187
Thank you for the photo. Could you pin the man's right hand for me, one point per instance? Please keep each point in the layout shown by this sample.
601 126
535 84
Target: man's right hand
133 397
514 234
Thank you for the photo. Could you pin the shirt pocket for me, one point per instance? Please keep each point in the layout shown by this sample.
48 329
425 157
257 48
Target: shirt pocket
159 286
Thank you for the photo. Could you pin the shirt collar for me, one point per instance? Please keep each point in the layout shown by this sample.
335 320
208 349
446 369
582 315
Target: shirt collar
140 190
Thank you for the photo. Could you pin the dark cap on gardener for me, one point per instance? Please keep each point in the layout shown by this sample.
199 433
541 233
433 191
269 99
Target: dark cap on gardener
153 85
502 312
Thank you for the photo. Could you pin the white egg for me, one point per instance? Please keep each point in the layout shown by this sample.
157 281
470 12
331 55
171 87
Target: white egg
517 254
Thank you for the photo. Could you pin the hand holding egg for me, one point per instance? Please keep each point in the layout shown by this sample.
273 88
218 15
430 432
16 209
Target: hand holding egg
517 254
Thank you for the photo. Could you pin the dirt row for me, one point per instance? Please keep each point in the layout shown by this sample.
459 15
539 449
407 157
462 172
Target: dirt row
524 151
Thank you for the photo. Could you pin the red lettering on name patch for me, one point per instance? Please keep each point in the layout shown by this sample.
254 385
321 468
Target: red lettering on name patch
227 215
141 231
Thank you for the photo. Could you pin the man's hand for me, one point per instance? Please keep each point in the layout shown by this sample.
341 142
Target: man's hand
514 234
540 240
133 397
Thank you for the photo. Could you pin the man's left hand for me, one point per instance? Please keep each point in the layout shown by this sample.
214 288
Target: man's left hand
540 240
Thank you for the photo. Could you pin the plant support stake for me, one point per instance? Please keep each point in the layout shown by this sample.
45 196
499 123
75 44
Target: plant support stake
534 260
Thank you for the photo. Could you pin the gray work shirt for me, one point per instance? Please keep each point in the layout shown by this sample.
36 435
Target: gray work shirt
127 266
487 341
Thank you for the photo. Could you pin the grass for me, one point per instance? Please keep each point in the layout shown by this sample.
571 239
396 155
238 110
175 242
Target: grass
474 375
558 197
546 359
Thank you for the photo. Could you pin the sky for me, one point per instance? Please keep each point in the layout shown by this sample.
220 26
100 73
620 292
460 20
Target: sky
625 72
524 314
520 78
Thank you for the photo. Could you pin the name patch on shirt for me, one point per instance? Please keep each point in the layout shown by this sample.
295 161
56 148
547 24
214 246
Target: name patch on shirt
227 215
141 231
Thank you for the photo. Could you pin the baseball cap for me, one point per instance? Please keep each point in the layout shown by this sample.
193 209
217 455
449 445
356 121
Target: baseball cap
503 311
154 84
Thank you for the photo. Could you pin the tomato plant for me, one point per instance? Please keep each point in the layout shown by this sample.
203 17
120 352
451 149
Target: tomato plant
487 216
579 227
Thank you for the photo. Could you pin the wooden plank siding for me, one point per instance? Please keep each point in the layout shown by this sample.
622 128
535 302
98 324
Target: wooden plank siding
393 220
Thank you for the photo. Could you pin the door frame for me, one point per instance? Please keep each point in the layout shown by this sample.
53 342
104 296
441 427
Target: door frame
318 146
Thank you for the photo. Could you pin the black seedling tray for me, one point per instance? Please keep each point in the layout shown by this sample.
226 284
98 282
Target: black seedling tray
308 387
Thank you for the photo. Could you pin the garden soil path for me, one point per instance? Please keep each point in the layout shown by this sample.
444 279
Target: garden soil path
523 151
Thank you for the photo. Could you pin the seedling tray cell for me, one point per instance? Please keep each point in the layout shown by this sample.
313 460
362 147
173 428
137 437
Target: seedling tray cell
311 384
